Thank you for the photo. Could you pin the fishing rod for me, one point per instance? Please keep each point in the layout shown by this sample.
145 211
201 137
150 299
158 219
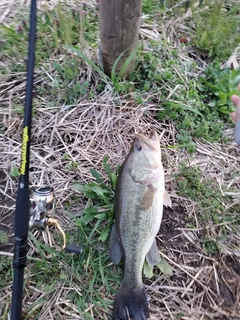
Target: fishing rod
39 212
22 202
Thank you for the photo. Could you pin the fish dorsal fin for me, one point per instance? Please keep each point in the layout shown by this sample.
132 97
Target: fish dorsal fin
167 202
115 249
153 256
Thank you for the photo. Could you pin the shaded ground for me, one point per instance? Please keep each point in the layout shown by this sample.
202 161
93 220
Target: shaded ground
211 282
6 215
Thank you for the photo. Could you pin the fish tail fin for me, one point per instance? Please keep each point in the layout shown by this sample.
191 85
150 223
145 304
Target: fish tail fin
130 303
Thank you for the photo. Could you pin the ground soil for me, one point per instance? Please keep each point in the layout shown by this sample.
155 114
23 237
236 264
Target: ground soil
172 241
226 288
6 217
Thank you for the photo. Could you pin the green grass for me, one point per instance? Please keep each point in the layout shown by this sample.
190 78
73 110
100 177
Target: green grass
198 108
54 30
194 98
87 278
88 274
211 206
217 29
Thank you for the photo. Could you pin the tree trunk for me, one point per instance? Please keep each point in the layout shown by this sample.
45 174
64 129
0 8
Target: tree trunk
119 28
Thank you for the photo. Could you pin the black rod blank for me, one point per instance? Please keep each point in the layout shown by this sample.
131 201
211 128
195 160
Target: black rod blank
23 202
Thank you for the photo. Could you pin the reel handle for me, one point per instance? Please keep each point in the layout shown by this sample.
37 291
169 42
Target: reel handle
74 248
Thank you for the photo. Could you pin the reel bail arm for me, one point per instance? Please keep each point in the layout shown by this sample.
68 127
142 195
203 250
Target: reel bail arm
42 215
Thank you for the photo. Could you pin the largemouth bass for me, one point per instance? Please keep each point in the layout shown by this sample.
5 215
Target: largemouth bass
139 199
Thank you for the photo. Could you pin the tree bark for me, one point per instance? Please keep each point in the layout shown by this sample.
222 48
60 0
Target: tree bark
119 28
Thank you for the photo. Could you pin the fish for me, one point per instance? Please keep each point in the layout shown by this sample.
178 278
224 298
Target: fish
138 204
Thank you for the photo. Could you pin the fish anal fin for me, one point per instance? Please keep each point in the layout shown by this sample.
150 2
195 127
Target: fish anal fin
153 256
167 202
115 249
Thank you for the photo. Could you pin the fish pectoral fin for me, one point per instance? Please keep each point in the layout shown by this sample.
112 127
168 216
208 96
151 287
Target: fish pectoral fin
115 249
167 202
153 256
148 197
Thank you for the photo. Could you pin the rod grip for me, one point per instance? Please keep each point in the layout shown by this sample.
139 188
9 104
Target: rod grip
21 228
74 248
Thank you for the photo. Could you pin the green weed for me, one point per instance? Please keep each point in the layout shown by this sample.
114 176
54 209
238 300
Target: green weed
115 80
160 72
116 76
62 26
204 192
197 106
211 205
3 237
99 211
210 245
92 269
14 48
217 87
72 165
86 277
217 29
14 172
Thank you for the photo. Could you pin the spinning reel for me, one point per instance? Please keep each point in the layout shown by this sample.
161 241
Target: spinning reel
42 215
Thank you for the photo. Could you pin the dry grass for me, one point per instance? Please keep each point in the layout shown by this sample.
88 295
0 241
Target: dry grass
201 286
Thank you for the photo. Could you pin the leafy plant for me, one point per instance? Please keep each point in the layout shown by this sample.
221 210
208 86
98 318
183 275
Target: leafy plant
15 172
210 245
3 237
100 200
217 87
72 165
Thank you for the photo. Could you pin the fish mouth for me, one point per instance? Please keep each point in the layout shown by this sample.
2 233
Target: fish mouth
151 142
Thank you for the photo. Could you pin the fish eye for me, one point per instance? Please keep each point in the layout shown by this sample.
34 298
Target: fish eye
138 147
